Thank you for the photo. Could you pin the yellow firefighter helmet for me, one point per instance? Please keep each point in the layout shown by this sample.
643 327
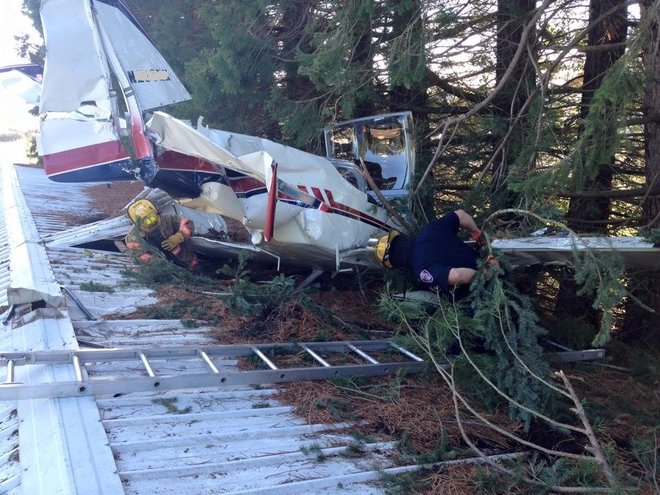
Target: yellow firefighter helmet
383 248
144 214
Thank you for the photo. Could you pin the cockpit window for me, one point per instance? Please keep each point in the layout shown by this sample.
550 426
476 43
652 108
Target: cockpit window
383 142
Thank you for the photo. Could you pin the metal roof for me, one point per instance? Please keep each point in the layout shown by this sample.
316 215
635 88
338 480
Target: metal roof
236 439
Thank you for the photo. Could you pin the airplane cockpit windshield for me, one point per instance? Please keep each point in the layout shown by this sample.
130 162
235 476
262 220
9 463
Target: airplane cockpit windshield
386 145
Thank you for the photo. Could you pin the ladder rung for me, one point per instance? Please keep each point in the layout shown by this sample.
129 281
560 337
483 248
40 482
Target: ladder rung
146 364
265 359
10 371
362 354
407 353
208 361
316 356
76 366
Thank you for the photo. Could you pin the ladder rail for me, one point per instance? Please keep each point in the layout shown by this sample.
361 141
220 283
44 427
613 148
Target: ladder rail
147 379
121 354
119 386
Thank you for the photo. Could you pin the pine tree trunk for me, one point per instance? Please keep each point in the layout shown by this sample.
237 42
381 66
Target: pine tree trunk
363 57
407 16
512 16
651 204
640 325
591 214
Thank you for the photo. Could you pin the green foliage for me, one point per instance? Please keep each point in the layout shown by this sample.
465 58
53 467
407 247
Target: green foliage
410 455
354 450
170 405
511 331
498 332
568 472
184 309
339 58
651 235
647 451
249 298
160 272
407 49
8 137
31 150
338 409
603 133
403 484
95 287
491 482
301 121
314 449
232 74
601 276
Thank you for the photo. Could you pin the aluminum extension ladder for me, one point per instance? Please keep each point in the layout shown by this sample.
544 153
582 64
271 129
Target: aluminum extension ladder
190 367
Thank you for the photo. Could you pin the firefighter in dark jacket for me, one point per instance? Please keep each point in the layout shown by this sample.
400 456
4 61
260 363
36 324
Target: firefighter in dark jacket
155 235
436 255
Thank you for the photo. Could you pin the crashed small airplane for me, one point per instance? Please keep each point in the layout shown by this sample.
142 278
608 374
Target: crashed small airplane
297 207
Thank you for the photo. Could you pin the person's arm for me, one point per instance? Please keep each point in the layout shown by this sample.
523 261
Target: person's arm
185 231
461 276
466 220
138 247
186 227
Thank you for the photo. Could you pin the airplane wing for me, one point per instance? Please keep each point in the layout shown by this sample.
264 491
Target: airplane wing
634 251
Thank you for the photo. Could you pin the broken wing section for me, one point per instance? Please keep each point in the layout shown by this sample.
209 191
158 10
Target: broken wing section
79 139
152 79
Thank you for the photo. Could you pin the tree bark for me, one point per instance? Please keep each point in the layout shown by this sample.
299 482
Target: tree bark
611 30
641 325
512 16
589 214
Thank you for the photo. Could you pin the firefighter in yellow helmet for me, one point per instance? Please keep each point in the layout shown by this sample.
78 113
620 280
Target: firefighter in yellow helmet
436 256
155 235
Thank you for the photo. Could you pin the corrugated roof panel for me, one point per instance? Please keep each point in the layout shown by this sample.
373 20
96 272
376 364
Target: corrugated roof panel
10 467
4 262
62 447
60 205
10 474
230 440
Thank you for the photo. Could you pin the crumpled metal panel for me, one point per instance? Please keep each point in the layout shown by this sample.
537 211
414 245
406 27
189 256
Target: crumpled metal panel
49 447
31 279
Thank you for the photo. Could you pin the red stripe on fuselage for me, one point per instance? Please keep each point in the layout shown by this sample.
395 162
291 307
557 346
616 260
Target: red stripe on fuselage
352 211
245 184
86 156
173 160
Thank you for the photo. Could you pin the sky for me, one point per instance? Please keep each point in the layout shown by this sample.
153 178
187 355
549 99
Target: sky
12 23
